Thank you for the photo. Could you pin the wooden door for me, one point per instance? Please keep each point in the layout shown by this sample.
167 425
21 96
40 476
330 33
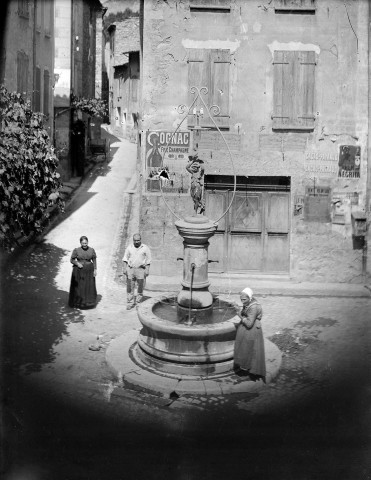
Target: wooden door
254 235
276 233
216 204
245 240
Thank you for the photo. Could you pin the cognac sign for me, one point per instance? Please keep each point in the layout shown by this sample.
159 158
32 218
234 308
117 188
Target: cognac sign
166 159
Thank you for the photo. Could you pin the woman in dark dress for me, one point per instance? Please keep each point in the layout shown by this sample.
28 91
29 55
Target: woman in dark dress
83 292
249 355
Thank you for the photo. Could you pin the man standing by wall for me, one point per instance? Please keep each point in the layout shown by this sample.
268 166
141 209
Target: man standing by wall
136 262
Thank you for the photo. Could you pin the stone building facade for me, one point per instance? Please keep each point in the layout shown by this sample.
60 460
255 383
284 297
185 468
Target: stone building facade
75 74
291 83
27 54
123 42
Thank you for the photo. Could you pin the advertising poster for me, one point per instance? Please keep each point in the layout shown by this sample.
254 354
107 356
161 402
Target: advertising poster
349 161
165 167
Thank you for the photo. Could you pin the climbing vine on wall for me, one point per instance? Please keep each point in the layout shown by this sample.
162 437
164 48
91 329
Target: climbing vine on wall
29 181
95 107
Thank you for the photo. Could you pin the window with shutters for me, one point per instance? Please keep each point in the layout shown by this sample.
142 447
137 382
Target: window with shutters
46 93
293 97
210 69
37 90
22 73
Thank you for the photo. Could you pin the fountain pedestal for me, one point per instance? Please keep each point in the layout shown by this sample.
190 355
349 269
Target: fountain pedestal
192 334
195 231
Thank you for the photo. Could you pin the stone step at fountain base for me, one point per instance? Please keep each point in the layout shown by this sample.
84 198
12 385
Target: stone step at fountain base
166 367
121 360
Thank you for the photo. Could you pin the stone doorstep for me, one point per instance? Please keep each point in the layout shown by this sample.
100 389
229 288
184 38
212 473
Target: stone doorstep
120 362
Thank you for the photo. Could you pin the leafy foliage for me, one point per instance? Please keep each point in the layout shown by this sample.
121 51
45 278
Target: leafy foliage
29 181
95 107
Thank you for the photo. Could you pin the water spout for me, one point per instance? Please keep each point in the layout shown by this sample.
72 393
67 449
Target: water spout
190 321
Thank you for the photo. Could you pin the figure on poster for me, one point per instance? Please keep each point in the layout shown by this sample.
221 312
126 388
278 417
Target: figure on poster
163 175
195 167
349 161
154 157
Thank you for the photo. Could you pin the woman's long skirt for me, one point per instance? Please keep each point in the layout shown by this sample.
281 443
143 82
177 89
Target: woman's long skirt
249 350
83 292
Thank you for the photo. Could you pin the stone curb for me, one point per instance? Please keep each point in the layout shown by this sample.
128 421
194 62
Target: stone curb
119 360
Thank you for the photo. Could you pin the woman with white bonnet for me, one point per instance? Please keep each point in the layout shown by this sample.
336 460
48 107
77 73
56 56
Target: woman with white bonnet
249 357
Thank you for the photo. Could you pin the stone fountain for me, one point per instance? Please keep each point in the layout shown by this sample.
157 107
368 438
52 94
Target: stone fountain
193 333
189 336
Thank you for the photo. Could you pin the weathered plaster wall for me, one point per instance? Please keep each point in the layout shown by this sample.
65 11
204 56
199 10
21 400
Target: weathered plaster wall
337 33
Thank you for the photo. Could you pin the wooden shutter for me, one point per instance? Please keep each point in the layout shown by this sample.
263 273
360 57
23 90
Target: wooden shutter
198 76
38 6
22 73
293 95
37 90
219 85
48 9
46 92
210 69
305 100
283 84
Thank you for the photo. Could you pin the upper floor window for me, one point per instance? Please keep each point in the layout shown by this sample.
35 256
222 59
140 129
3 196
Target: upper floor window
24 8
293 96
295 6
22 73
209 68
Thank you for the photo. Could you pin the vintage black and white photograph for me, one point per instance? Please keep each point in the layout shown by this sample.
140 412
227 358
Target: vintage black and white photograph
185 205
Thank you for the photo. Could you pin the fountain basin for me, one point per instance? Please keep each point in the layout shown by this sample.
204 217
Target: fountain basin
187 341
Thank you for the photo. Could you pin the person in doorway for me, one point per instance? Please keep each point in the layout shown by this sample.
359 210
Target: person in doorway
83 292
249 355
136 263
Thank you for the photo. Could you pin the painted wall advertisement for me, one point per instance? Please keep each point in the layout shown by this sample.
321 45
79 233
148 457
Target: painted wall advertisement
166 159
321 163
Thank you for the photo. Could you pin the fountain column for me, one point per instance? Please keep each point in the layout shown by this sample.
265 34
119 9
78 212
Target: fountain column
195 231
